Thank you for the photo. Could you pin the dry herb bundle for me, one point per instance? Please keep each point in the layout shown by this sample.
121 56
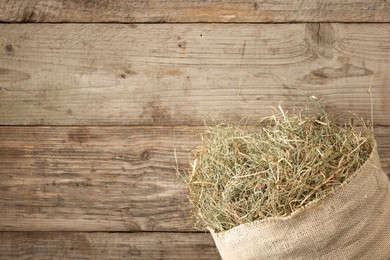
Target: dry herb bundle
241 174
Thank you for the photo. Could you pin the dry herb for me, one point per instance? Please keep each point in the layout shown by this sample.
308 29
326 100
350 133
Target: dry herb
243 174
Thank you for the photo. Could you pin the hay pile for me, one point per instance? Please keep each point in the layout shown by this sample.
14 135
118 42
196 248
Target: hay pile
242 174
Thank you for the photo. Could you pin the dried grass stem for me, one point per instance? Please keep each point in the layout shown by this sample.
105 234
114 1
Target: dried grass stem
240 174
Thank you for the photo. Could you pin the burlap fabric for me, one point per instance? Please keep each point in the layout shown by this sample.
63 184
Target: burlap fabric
351 223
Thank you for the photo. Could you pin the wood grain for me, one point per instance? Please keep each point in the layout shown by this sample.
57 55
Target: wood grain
179 74
97 245
101 178
159 11
92 178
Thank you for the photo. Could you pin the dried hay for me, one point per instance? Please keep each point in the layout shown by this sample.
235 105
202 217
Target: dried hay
243 174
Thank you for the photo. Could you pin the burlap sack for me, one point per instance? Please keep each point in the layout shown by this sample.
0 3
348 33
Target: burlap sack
351 223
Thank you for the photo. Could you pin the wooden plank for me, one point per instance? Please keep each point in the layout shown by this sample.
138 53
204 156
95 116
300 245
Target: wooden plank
92 179
178 74
101 178
194 11
96 245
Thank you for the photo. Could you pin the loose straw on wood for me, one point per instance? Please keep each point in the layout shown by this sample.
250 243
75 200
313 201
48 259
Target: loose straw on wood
242 174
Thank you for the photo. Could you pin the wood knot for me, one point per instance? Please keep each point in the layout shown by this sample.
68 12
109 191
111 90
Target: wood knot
145 155
326 74
182 44
322 38
9 48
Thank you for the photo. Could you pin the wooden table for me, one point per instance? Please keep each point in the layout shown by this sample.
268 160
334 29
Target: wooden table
96 97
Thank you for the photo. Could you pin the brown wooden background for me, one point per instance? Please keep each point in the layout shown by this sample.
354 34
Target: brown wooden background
96 95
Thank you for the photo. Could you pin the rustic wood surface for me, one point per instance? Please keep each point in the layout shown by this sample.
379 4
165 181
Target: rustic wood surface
194 11
179 74
98 109
101 178
92 178
96 245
